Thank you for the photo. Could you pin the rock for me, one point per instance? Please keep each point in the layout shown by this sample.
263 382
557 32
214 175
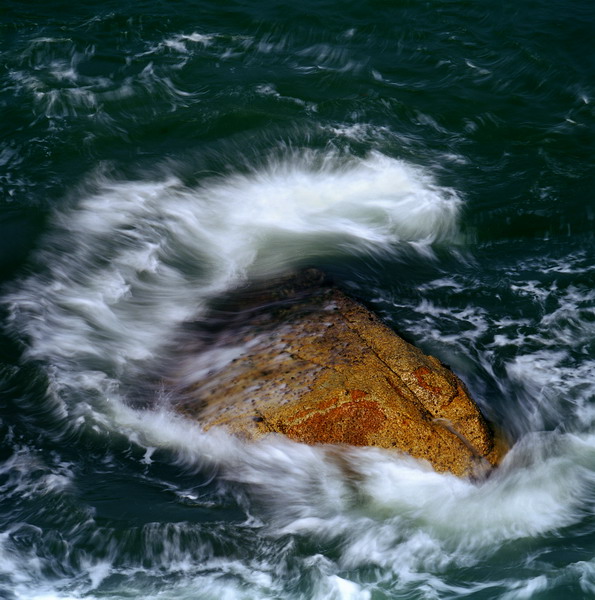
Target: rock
303 359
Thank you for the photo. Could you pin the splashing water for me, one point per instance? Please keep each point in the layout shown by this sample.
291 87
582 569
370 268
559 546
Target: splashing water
125 265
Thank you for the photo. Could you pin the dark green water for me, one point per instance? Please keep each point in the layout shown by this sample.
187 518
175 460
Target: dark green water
436 157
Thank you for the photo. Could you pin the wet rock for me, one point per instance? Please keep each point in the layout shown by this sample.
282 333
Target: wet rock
302 359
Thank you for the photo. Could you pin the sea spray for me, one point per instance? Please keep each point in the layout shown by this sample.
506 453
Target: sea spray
124 266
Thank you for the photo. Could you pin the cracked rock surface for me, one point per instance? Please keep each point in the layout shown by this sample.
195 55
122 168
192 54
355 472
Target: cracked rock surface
302 359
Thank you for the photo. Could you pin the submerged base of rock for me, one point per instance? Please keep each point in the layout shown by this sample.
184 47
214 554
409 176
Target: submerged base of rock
302 359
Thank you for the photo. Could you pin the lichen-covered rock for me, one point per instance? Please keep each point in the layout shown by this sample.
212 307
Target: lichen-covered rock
304 360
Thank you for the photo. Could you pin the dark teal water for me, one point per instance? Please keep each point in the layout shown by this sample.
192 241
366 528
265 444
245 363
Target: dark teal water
434 157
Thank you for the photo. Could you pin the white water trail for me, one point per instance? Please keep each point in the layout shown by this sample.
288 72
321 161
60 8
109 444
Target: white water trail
126 264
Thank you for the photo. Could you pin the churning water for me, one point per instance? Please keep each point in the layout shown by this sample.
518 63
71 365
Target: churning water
435 158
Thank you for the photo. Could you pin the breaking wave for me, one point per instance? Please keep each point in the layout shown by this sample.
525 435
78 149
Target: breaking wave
127 263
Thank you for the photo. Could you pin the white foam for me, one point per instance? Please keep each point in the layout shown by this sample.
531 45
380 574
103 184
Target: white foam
376 510
128 263
527 589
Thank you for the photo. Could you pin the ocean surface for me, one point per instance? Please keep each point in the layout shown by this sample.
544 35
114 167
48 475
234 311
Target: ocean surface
435 157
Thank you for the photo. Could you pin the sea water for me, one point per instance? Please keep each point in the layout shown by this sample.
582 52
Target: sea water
435 158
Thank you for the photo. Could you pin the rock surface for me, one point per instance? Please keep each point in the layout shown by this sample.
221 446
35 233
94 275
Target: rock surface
304 360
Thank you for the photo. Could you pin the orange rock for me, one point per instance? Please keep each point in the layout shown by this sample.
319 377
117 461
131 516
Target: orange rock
304 360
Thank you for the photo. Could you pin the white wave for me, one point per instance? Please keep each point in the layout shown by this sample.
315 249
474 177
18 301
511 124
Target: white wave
359 494
363 132
327 57
378 511
270 90
125 265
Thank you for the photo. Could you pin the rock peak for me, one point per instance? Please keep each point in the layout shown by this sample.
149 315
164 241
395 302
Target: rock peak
301 358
